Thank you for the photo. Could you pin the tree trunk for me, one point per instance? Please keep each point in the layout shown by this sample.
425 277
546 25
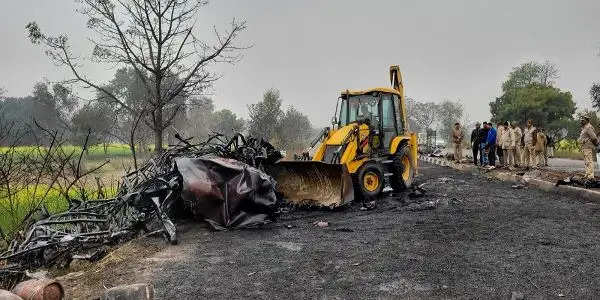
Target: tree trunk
158 131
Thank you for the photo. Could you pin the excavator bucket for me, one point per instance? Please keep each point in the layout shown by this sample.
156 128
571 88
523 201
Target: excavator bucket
313 183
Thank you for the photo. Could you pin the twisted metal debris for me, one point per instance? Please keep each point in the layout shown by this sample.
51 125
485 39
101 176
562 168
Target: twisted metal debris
146 198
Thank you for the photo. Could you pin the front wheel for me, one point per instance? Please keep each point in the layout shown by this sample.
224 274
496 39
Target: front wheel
371 180
403 172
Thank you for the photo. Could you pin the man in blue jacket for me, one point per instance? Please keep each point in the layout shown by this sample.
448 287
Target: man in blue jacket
491 144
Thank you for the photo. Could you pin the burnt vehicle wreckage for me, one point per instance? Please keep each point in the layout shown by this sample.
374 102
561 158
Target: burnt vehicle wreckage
221 181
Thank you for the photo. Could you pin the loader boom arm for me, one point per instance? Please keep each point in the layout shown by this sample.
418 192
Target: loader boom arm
398 85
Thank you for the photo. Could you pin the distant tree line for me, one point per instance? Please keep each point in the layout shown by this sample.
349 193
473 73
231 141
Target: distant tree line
55 107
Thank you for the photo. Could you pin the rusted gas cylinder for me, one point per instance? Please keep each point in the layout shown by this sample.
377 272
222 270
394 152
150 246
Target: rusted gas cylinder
39 289
6 295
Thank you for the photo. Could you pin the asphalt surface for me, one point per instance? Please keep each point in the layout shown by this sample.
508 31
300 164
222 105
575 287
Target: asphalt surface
482 240
568 165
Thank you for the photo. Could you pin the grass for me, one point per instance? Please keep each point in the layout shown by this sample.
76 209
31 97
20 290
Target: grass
26 199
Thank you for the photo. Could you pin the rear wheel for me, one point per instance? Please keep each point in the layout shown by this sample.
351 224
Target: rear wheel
371 180
402 169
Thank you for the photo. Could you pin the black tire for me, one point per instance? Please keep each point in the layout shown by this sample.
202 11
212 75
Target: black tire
398 182
371 180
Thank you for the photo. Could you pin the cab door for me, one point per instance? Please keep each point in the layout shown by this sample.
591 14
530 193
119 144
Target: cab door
388 120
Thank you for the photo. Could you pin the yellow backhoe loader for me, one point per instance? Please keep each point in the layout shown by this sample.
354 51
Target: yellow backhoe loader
368 145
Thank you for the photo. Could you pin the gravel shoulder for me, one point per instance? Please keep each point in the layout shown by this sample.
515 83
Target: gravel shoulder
483 240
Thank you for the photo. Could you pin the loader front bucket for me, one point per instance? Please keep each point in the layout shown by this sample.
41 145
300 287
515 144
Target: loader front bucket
313 183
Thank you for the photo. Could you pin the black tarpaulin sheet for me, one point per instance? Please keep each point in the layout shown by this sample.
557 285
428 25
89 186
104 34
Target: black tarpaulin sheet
227 193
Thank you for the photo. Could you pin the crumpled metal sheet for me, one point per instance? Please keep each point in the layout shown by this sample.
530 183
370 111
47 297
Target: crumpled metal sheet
227 193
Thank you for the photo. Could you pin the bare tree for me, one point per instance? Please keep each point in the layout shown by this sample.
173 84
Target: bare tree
158 39
548 72
595 95
421 115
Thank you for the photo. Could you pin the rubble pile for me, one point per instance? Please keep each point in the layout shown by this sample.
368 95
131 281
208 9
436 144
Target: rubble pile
219 181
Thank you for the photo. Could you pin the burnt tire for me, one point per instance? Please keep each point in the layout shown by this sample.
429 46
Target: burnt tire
402 178
370 180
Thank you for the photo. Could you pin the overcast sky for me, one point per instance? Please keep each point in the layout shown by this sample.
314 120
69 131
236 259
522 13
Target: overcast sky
312 49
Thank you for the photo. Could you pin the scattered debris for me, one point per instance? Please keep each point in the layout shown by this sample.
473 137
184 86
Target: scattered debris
417 191
445 179
368 205
289 226
343 229
425 205
139 291
517 186
517 296
579 181
321 224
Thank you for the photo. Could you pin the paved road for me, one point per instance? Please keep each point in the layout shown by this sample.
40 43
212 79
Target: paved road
484 240
569 165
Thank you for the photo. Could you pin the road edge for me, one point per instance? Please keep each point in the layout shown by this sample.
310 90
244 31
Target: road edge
580 193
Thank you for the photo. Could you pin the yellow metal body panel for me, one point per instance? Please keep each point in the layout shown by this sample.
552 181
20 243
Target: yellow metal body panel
354 165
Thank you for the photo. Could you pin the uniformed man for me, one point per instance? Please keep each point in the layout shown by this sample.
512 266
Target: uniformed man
457 137
518 133
529 149
540 147
588 142
508 146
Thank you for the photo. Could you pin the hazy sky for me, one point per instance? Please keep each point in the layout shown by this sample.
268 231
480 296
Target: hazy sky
312 49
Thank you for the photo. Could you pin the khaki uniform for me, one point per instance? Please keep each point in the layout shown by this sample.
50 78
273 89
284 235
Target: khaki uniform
588 141
540 148
528 158
499 136
457 137
518 148
508 146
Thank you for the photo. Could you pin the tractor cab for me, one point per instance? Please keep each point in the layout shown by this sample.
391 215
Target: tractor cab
378 108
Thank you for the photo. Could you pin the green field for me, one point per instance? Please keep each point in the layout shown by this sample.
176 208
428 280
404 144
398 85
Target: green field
23 199
96 151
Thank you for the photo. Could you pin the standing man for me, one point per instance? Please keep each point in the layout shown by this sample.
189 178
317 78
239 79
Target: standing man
508 146
588 141
457 137
483 133
518 135
491 145
540 147
528 141
499 143
475 141
549 149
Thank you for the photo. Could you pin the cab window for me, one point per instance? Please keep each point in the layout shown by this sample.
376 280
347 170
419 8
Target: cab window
363 107
398 114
